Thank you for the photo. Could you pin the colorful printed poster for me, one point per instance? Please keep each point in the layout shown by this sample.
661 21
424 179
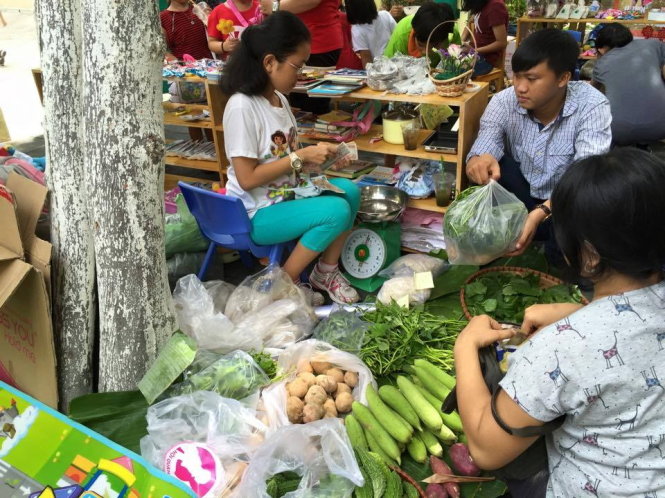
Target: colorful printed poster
43 454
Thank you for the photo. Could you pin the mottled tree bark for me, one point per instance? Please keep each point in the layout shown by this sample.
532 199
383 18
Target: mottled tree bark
124 148
73 263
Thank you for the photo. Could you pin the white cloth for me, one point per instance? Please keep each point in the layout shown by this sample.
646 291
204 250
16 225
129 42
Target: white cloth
256 129
601 367
373 37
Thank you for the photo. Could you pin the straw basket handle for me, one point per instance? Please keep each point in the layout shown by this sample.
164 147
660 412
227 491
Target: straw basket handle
466 27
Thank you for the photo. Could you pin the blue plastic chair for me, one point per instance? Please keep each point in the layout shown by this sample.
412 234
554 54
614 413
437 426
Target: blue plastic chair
224 222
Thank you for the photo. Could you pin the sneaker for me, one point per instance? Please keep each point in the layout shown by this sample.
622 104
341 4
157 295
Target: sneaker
335 284
315 298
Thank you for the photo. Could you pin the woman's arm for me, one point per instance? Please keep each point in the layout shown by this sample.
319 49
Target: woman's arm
500 44
365 57
168 55
293 6
221 47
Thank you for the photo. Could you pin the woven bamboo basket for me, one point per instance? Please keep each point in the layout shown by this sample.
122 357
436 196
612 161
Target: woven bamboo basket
453 87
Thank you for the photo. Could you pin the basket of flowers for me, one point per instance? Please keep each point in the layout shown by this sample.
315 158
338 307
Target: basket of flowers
454 70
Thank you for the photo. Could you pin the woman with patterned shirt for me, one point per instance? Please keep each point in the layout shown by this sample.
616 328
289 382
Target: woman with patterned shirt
600 365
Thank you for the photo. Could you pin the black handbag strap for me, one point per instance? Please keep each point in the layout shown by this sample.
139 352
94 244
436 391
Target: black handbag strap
530 431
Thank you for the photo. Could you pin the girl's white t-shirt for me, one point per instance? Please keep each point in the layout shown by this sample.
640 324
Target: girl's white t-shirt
375 36
256 129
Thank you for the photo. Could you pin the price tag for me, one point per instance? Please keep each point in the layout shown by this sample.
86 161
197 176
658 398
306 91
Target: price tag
403 301
423 280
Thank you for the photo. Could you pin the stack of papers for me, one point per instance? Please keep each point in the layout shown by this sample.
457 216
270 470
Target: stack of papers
422 230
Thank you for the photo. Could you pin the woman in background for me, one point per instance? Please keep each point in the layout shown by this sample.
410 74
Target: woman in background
490 29
370 29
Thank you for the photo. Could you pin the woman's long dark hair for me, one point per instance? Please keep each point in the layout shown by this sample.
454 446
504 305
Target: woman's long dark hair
280 35
473 6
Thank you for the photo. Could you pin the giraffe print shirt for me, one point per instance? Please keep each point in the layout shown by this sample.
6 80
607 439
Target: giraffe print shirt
602 367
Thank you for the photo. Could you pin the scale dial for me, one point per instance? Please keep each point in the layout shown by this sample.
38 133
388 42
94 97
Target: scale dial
364 253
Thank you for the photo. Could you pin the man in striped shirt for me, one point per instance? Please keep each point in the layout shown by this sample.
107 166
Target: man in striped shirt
531 133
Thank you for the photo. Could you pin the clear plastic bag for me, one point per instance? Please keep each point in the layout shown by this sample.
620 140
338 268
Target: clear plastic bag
181 232
410 264
483 225
273 398
343 330
220 292
398 287
195 309
319 451
235 375
224 426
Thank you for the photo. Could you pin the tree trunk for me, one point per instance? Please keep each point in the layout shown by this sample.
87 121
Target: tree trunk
124 148
73 264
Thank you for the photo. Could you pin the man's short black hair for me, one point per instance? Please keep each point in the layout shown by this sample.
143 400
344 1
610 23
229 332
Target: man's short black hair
614 203
613 36
428 17
554 46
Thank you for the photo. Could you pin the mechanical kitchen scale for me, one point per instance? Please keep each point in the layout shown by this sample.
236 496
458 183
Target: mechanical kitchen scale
375 243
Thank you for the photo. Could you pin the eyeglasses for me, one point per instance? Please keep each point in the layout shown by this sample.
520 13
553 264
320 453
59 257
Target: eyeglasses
298 69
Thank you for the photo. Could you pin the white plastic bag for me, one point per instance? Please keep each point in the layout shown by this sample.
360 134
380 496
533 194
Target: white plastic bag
211 329
483 225
273 398
319 451
410 264
220 292
399 287
222 426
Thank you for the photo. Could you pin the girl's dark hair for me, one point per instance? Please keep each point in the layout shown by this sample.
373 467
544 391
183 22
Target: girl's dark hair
615 203
613 36
280 35
554 46
473 6
428 17
360 11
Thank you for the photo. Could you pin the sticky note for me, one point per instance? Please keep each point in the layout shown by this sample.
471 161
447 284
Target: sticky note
403 301
423 280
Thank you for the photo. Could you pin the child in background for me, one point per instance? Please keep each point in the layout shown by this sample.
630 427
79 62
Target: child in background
265 66
236 13
490 29
370 29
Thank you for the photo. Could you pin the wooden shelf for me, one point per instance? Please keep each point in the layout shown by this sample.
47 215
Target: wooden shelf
587 57
591 20
170 119
428 204
172 106
383 147
192 163
369 94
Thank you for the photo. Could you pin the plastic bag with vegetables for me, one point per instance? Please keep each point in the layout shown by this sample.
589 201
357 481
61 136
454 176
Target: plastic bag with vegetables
203 423
410 264
482 224
313 375
320 452
342 329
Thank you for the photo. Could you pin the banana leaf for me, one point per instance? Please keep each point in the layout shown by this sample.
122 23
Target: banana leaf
119 416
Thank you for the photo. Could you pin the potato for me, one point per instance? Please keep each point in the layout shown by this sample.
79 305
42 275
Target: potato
297 388
308 377
330 408
304 366
327 383
336 374
342 388
320 367
312 412
294 409
343 402
351 379
316 395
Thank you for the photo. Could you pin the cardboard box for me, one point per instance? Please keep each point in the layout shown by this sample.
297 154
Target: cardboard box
27 351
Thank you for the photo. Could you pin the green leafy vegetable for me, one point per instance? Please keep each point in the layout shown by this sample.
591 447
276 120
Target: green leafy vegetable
267 364
505 296
343 329
397 336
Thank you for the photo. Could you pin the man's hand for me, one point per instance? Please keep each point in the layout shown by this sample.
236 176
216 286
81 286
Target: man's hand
397 11
540 315
533 220
266 7
482 331
481 169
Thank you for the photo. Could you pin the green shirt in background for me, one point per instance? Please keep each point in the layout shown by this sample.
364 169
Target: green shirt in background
399 40
163 4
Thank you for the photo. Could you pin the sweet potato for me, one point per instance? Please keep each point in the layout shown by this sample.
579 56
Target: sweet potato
316 394
320 367
351 379
297 388
343 402
434 490
462 461
330 408
312 412
440 467
336 374
294 408
342 388
308 377
327 383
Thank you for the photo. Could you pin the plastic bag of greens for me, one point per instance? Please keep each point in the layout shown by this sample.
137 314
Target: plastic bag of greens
320 452
206 432
342 329
482 224
295 359
181 232
407 265
235 375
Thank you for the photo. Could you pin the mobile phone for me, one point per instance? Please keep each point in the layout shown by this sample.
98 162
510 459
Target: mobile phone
441 141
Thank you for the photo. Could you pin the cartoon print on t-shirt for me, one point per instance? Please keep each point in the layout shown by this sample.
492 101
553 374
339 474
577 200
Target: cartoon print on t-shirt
660 337
293 139
557 374
653 381
280 192
566 326
630 422
622 304
280 149
592 398
591 488
656 446
608 354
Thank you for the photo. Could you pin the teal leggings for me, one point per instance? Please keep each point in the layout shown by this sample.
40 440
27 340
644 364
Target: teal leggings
316 221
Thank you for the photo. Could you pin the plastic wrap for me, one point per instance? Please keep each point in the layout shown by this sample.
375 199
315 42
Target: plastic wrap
342 329
399 287
409 264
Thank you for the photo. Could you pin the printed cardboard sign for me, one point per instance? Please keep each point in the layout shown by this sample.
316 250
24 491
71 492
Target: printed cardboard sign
43 454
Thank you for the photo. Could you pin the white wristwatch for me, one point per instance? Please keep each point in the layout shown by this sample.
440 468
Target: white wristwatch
296 162
275 6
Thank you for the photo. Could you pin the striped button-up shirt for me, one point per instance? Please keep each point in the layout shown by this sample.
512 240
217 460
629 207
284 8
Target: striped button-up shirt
582 129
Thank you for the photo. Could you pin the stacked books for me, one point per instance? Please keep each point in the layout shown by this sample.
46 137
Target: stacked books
352 170
331 89
346 76
321 127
